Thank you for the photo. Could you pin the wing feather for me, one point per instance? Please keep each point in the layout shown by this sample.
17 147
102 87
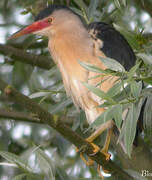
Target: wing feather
113 45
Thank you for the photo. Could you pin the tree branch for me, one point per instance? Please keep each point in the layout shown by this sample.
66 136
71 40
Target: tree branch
46 118
18 116
28 117
145 5
35 60
34 45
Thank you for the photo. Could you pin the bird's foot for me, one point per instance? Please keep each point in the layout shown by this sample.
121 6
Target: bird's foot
89 162
107 155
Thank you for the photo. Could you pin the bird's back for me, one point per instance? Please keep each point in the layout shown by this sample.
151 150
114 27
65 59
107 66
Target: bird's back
114 45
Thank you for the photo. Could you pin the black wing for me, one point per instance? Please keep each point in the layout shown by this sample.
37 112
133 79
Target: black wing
114 44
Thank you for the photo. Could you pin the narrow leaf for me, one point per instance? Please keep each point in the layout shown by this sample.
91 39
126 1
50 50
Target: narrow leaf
39 94
60 106
19 177
92 8
91 67
117 4
62 174
148 114
148 80
113 112
115 89
12 158
45 163
146 58
117 115
136 88
112 64
133 70
124 2
28 177
131 124
130 129
99 92
101 118
81 4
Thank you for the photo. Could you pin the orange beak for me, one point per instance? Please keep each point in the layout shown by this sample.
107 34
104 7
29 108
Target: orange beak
36 26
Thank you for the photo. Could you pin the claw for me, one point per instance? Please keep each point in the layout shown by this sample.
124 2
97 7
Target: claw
96 149
89 162
107 155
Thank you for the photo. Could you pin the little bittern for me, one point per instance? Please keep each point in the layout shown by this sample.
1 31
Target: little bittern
71 41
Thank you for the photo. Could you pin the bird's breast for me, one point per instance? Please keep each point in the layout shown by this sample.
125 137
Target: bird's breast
66 56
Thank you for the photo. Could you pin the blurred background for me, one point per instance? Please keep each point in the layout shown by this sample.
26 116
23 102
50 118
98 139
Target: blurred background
38 151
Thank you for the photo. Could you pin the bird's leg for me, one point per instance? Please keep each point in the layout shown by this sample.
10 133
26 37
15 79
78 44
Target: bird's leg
105 148
107 125
88 162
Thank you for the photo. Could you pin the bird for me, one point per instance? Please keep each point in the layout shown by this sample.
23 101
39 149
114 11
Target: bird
71 40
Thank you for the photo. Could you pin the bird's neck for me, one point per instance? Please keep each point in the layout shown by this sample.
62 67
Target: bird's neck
71 44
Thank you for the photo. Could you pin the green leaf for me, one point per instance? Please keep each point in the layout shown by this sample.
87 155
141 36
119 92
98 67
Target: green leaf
78 11
112 64
133 70
120 3
99 92
91 67
124 2
81 4
60 106
113 112
146 58
130 129
28 176
148 80
39 94
117 4
117 115
130 125
24 12
12 158
45 163
115 89
148 114
92 8
19 177
136 88
122 95
62 174
105 116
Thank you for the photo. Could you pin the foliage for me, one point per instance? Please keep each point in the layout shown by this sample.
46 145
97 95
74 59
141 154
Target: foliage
53 157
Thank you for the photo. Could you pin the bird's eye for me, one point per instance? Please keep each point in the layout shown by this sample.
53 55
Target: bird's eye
50 20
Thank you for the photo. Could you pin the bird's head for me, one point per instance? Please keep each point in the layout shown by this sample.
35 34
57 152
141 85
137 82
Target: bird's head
52 19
